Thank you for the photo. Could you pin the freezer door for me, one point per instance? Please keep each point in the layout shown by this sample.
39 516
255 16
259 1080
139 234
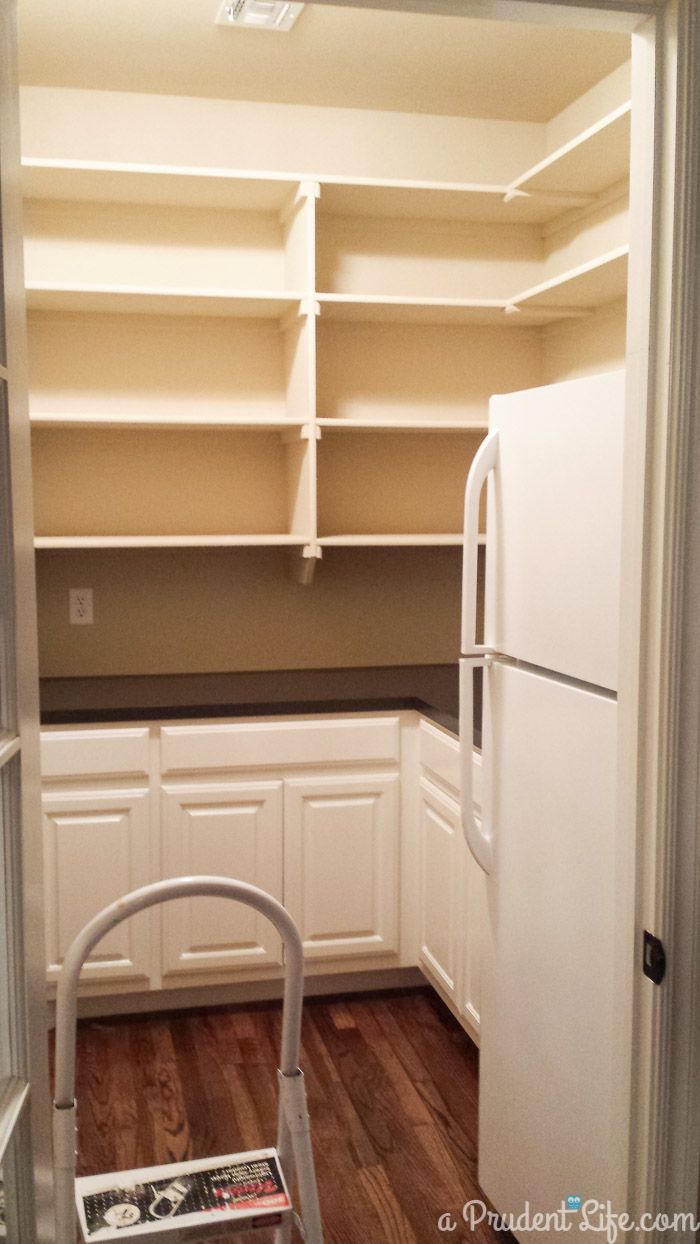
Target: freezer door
552 1120
553 527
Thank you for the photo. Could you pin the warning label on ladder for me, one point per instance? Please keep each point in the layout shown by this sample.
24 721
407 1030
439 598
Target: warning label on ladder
216 1192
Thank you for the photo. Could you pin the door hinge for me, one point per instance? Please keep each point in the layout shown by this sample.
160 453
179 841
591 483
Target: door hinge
654 961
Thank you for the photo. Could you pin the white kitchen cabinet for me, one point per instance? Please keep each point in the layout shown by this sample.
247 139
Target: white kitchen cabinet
453 916
233 828
97 844
476 931
307 809
441 906
342 863
365 851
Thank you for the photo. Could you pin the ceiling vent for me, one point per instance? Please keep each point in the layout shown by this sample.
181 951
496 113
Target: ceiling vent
259 14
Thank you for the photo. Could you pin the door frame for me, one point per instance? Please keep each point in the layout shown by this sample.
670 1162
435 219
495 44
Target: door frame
36 1122
660 687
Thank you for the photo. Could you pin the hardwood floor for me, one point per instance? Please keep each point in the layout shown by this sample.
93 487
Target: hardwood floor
392 1087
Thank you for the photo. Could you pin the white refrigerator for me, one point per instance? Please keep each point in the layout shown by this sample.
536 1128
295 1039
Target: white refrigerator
549 1118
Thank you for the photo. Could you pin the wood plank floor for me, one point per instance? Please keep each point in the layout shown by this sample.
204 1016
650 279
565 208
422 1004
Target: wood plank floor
392 1087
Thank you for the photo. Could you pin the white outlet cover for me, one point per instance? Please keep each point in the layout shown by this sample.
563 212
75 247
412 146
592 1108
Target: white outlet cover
80 606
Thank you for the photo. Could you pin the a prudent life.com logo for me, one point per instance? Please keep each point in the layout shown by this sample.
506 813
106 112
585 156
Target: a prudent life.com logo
598 1218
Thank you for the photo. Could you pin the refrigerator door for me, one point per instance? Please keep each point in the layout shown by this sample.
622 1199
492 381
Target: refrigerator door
552 1123
553 527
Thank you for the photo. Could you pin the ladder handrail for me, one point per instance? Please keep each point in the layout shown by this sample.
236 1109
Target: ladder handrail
149 896
293 1139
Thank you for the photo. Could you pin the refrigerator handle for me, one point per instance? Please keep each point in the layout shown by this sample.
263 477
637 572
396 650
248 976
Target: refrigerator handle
478 835
484 461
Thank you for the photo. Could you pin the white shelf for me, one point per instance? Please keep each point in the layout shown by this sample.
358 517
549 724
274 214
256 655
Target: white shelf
420 200
151 422
165 542
589 285
584 167
397 541
389 309
84 181
392 425
137 300
242 190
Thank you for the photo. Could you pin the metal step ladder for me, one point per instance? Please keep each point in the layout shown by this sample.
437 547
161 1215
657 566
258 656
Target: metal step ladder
209 1197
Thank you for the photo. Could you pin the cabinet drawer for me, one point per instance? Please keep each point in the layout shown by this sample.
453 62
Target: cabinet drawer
99 752
279 744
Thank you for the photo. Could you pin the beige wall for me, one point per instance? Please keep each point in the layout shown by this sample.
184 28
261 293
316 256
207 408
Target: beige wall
295 138
583 347
190 611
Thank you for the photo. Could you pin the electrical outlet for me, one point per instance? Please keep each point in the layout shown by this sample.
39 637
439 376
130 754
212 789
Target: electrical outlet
80 608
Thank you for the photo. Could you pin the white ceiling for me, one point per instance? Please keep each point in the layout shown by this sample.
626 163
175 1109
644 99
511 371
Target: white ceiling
353 58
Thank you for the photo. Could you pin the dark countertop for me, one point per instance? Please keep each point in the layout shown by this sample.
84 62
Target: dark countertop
431 689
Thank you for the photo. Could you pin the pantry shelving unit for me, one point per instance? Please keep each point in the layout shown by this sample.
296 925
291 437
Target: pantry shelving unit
245 369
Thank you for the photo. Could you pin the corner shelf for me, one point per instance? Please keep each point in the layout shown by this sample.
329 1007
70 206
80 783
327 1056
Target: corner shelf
592 284
583 168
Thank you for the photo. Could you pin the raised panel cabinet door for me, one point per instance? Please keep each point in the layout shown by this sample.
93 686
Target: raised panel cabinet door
232 829
96 849
475 931
441 911
341 845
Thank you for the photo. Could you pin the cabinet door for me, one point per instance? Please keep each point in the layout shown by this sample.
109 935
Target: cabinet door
475 932
475 923
342 863
441 909
96 847
233 829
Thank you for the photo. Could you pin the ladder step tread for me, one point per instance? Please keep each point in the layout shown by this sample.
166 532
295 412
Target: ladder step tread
200 1198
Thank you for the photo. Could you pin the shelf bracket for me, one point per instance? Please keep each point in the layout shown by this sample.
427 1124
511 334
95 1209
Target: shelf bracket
304 191
302 563
309 190
514 193
292 436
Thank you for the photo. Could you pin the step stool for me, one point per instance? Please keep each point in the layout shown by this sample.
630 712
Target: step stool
208 1197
